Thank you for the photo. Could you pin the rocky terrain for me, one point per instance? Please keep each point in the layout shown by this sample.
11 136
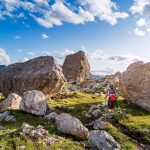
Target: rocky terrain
50 113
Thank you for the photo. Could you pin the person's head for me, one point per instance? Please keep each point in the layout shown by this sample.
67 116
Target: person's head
111 87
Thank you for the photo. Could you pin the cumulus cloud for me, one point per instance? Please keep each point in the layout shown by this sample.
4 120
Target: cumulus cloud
139 32
4 57
44 36
141 22
49 14
141 8
63 54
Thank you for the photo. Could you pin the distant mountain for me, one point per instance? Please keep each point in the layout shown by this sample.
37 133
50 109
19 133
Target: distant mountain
96 76
2 66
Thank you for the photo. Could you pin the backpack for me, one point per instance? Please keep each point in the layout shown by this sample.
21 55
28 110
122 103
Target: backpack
112 97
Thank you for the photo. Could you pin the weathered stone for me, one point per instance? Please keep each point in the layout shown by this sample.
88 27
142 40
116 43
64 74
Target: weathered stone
7 117
34 102
96 113
42 73
38 133
76 67
12 102
72 126
101 140
51 116
135 84
99 124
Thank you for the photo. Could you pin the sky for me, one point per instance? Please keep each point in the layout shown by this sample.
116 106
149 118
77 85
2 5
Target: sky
112 33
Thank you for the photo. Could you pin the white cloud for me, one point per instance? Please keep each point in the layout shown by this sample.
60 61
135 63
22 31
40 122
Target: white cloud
44 36
42 2
141 22
105 10
139 32
17 37
64 53
48 15
4 57
141 9
139 5
100 55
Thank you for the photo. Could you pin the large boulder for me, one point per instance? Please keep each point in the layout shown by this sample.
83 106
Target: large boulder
11 102
34 102
135 84
72 126
76 67
42 73
101 140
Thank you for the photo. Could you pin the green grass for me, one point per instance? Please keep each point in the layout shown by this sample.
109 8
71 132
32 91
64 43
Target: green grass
136 121
123 140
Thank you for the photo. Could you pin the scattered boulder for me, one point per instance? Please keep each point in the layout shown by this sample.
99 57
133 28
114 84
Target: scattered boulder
72 126
135 84
76 67
12 102
94 111
51 116
42 73
101 140
34 102
7 117
99 124
38 133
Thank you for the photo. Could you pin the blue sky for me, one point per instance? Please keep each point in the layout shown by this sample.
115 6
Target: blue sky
112 33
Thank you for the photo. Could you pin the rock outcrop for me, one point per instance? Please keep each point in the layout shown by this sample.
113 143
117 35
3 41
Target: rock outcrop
34 102
76 67
42 73
135 84
72 126
38 133
12 102
101 140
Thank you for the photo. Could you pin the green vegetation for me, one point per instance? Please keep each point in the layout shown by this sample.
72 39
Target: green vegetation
137 121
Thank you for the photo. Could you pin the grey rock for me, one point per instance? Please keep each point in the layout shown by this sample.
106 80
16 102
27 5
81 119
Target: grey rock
96 113
72 126
12 102
38 133
34 102
101 140
51 116
42 73
7 117
135 84
99 124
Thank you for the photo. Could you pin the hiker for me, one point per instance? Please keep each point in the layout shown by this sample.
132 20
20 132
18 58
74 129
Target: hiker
112 98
